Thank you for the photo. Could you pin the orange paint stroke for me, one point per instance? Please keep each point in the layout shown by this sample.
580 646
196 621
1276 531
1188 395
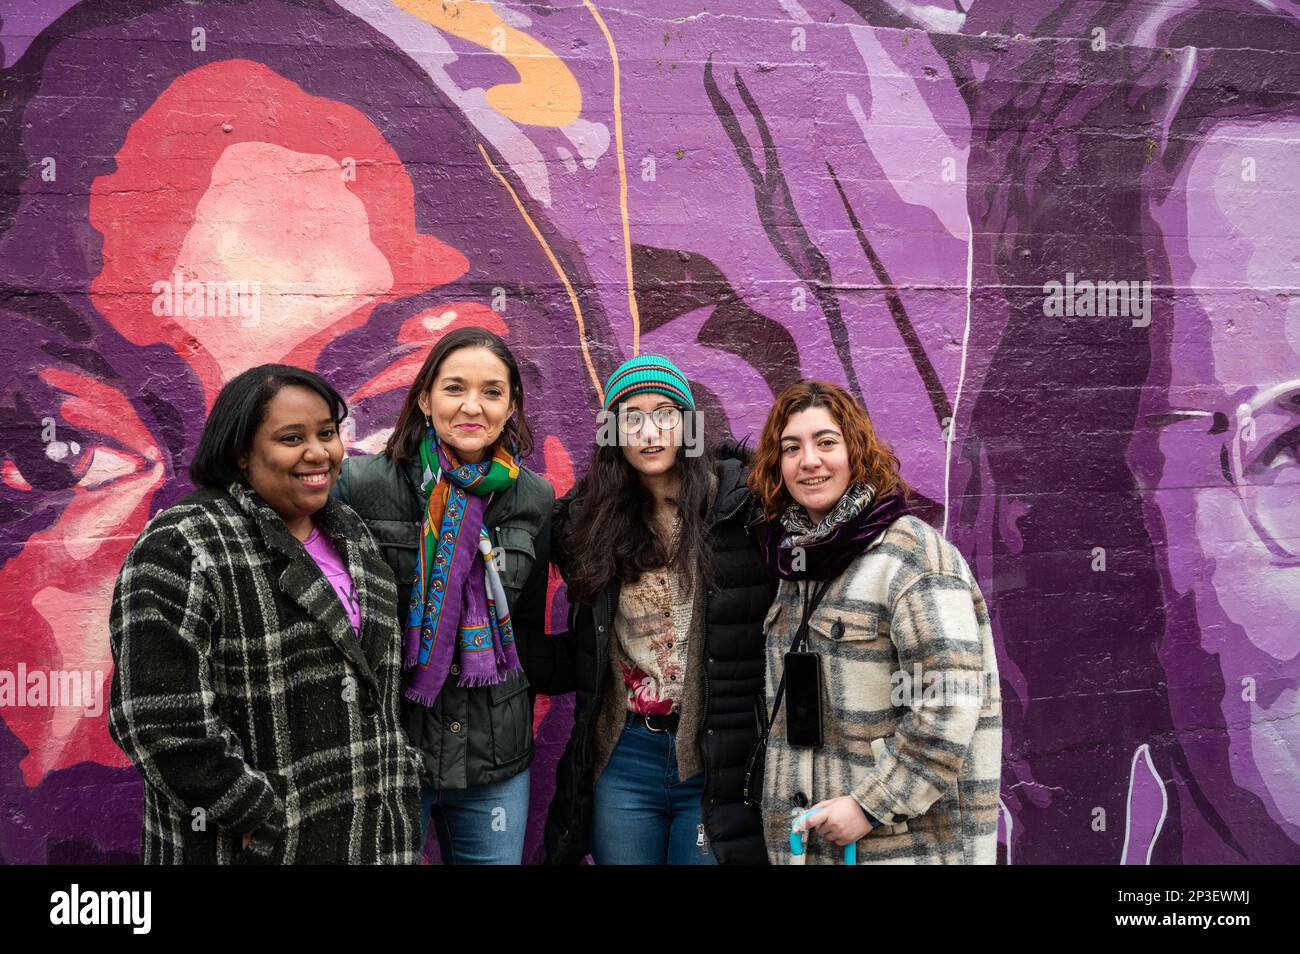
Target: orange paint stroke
633 310
547 93
568 286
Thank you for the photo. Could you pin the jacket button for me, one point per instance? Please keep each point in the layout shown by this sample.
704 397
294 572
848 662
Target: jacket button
710 732
837 631
455 727
800 799
370 710
455 669
373 801
600 629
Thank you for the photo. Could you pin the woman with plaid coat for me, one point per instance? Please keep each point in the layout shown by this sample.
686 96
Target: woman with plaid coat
893 754
256 651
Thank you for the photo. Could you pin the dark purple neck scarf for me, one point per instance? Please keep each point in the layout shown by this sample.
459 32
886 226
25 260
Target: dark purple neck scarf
830 554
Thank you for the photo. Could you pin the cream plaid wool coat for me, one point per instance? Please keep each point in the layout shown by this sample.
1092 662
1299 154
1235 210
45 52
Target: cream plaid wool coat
911 714
247 701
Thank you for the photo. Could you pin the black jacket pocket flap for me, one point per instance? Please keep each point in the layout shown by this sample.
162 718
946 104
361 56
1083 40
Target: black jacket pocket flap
509 687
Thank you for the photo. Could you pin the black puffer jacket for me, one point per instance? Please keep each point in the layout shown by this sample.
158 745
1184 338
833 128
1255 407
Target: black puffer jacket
733 651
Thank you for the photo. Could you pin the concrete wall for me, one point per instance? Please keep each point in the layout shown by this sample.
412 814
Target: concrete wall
916 201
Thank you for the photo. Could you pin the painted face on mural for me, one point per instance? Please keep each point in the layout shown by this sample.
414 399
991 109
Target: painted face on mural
295 457
650 426
469 402
97 462
279 231
263 247
814 461
269 243
1229 490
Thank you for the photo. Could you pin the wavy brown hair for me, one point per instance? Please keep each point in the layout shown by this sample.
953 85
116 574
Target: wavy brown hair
871 460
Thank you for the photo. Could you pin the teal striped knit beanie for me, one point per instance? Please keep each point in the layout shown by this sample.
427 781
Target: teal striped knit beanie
648 373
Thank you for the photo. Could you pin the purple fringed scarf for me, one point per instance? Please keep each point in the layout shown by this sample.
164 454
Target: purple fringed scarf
458 606
825 551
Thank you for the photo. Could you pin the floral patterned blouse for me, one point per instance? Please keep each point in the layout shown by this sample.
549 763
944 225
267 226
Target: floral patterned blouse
652 628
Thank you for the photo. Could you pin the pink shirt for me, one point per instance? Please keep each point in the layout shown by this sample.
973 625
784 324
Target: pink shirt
331 564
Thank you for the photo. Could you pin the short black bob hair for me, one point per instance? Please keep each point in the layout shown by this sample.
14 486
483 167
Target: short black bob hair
239 411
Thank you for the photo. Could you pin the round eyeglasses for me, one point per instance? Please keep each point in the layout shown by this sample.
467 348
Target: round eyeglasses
1261 460
630 420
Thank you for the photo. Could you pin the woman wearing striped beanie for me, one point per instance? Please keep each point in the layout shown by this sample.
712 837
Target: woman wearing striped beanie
669 594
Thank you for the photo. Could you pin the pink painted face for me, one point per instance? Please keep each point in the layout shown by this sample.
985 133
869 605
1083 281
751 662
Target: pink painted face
281 230
58 588
265 241
814 461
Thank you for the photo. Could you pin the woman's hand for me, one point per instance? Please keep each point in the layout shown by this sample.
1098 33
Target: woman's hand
842 820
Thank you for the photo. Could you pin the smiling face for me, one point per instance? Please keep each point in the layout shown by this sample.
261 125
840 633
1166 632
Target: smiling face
814 461
295 456
469 402
652 447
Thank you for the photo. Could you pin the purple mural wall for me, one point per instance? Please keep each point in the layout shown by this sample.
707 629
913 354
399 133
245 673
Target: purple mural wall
1053 245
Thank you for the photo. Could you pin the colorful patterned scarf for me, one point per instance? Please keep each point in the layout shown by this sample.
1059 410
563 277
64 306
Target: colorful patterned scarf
458 606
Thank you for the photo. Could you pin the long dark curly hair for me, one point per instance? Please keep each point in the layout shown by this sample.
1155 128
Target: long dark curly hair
610 532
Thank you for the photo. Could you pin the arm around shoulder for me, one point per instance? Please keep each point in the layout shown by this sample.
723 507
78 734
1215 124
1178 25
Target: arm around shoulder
547 659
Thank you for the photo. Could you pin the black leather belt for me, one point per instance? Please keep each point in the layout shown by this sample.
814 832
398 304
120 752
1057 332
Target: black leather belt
656 723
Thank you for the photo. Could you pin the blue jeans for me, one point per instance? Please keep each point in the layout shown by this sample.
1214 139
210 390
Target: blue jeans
481 825
645 814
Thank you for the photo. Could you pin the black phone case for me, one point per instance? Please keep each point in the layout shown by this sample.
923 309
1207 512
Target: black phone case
803 693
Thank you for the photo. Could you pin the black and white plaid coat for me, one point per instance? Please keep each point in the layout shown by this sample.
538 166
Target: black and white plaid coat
246 699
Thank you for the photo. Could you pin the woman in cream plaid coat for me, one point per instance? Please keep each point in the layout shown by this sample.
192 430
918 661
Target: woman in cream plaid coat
909 709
